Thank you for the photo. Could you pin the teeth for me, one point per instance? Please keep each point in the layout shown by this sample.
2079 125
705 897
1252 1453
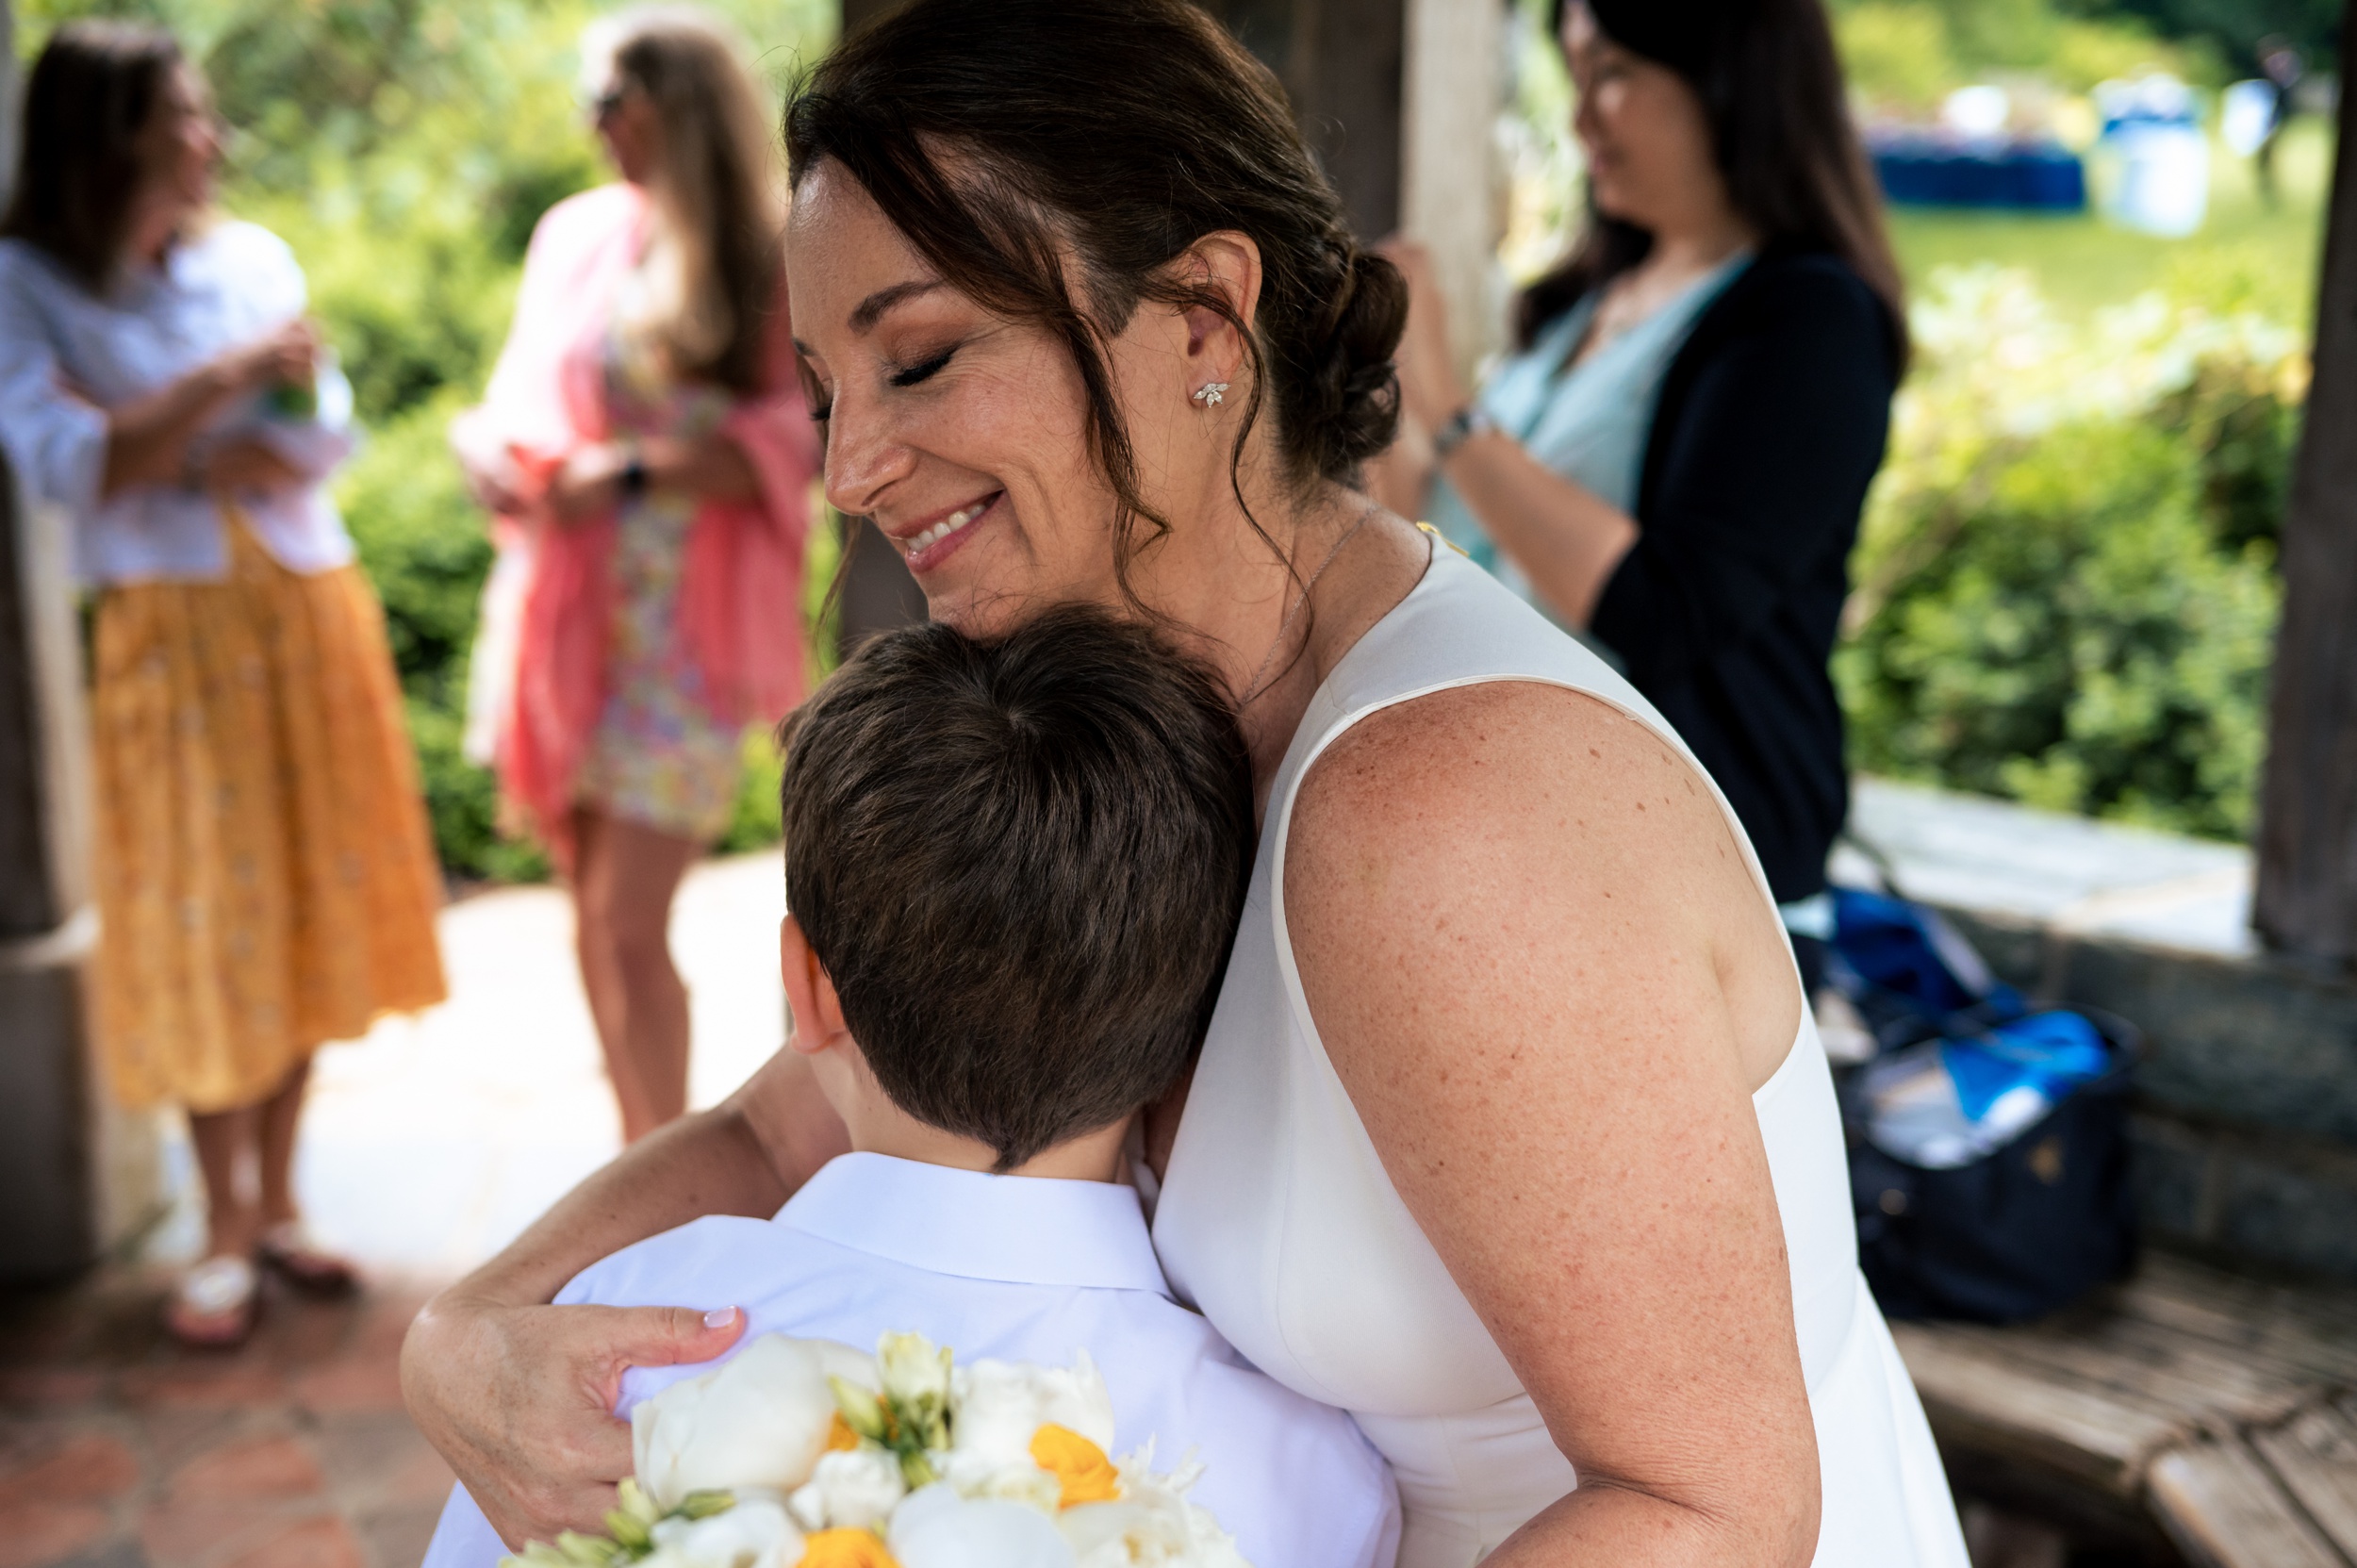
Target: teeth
946 526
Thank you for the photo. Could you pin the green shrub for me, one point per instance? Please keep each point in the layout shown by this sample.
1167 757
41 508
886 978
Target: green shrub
2066 591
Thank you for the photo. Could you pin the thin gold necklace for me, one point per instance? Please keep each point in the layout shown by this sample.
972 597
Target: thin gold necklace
1300 604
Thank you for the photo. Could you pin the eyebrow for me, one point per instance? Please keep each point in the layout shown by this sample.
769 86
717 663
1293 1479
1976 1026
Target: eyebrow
872 308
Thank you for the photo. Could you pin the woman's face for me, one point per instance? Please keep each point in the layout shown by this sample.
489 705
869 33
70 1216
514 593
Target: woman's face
963 434
178 148
629 126
1647 138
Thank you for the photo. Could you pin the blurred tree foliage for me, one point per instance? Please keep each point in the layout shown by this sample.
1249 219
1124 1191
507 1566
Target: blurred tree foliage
2066 588
405 148
2233 27
1906 54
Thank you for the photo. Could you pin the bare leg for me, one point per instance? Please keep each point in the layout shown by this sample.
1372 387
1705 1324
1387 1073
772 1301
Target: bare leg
593 945
623 893
214 1304
284 1246
278 1116
226 1140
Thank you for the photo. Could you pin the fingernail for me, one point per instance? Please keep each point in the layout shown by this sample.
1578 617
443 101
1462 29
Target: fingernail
719 1318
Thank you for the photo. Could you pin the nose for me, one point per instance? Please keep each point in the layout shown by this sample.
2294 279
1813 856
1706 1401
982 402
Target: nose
866 456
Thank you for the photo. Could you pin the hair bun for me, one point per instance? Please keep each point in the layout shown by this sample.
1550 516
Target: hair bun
1353 385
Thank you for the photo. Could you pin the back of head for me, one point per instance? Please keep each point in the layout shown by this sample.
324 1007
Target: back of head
1770 81
1003 136
716 188
78 169
1022 862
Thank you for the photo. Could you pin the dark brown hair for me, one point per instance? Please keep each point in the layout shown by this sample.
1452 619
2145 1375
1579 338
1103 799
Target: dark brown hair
1022 862
713 193
1003 136
78 169
1771 86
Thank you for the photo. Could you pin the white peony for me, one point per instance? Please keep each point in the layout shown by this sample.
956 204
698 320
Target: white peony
850 1490
1001 1404
1022 1481
760 1420
914 1368
936 1527
1153 1526
755 1533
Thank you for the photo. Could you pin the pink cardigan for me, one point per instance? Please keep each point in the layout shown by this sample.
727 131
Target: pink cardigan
540 676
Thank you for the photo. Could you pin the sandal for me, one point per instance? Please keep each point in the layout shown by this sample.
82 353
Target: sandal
285 1249
214 1306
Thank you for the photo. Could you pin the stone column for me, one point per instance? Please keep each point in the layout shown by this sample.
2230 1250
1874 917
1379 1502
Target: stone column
50 1136
2306 905
1449 197
76 1174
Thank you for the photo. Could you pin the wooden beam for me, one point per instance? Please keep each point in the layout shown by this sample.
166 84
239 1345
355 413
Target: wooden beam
2306 905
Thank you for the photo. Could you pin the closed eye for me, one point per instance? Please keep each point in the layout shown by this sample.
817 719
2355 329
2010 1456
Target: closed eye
925 370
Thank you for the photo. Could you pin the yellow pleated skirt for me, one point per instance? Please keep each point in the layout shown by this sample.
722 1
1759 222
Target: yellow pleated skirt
265 873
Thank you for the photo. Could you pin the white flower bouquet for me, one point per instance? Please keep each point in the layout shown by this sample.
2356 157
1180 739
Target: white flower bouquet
809 1454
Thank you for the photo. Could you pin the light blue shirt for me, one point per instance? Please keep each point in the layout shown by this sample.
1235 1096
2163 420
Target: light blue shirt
66 354
1019 1268
1589 422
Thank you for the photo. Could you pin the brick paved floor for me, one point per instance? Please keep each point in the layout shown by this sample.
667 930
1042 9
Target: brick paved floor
425 1147
118 1449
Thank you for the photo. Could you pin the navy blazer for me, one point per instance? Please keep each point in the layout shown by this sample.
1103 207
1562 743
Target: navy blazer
1772 421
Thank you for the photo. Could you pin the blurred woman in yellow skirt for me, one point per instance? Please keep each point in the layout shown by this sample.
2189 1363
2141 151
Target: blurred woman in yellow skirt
266 879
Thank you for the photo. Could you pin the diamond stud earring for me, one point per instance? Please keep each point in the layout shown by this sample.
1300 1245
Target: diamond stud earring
1210 393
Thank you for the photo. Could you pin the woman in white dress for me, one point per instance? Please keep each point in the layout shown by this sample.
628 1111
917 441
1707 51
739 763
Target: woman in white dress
1511 1134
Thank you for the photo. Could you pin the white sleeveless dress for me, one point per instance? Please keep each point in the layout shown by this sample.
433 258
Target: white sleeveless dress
1278 1220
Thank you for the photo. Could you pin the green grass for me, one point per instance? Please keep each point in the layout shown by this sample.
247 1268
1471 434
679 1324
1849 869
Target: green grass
2247 256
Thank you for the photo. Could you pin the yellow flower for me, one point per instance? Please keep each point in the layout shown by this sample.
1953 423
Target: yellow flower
1079 1465
840 1438
846 1549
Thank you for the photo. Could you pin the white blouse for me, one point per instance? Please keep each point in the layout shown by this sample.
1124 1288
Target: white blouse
66 354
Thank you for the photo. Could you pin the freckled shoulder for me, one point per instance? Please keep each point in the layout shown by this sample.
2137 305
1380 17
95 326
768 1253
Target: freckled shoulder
1503 760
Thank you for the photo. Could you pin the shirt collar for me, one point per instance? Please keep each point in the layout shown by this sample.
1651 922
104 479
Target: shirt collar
1020 1229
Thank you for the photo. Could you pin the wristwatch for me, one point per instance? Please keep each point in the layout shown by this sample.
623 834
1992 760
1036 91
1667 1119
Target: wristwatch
633 479
1470 420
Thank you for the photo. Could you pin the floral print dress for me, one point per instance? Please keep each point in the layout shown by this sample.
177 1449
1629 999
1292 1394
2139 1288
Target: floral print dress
659 758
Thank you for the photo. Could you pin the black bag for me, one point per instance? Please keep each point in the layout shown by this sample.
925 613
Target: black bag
2023 1230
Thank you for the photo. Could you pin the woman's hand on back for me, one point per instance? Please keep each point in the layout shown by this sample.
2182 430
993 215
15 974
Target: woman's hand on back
519 1399
519 1396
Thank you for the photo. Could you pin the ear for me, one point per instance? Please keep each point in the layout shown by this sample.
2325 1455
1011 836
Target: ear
1228 264
810 996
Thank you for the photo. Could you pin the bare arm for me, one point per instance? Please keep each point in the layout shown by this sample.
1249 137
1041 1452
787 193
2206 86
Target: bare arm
147 437
1565 537
711 467
519 1396
1550 986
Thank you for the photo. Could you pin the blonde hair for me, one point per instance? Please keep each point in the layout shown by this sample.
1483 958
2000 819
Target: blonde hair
712 262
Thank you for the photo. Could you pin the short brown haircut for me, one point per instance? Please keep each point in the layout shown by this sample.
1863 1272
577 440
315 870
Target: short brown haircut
1022 862
93 91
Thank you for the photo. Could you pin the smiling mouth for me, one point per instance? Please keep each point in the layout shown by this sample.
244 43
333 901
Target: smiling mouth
918 543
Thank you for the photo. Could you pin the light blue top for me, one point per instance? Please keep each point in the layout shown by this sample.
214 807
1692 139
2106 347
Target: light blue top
1019 1268
1589 422
66 354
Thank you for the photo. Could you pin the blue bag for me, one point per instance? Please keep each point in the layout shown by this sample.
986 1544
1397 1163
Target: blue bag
1988 1153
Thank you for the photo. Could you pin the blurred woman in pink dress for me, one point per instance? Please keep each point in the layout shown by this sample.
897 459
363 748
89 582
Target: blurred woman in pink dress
645 448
